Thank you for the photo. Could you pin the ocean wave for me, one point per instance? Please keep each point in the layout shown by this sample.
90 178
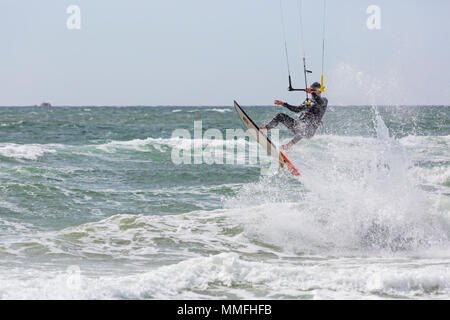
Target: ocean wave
438 175
228 275
25 152
11 227
277 248
185 143
273 228
166 144
220 110
333 142
412 140
353 146
435 279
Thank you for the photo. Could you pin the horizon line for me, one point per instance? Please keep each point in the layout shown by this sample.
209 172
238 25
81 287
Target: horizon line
216 106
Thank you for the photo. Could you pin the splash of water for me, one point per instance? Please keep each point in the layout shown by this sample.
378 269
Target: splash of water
357 196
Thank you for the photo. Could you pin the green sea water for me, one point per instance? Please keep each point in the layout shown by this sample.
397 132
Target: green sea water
93 207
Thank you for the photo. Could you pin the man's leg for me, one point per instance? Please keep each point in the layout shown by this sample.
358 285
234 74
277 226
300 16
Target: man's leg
302 130
284 119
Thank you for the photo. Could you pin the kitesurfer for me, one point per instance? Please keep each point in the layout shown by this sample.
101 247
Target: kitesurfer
308 122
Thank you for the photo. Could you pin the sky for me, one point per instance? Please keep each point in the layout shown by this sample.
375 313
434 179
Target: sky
211 52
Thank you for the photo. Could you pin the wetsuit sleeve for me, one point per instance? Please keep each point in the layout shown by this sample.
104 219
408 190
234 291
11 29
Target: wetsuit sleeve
294 108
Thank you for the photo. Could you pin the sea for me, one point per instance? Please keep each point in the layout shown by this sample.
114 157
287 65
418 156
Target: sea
123 203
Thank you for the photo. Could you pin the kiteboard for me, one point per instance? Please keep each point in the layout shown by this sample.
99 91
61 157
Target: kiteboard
264 141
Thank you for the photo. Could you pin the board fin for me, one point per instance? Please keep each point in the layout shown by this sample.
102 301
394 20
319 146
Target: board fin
289 165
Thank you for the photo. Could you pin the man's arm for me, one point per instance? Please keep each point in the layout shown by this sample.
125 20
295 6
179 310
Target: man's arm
300 108
292 108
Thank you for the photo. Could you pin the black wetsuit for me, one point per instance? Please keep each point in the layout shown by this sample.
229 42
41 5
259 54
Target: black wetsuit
308 122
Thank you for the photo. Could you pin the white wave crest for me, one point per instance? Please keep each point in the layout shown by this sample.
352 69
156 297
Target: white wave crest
25 152
228 275
221 110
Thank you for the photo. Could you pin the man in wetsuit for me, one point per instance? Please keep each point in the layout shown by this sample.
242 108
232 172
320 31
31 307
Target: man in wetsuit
308 122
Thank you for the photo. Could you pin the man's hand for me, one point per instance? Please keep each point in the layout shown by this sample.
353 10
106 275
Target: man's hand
288 146
278 102
309 90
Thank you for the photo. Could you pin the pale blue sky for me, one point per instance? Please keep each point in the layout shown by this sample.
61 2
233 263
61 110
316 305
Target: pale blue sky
209 52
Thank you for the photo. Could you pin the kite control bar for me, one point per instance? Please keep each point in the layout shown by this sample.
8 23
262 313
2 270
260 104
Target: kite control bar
290 86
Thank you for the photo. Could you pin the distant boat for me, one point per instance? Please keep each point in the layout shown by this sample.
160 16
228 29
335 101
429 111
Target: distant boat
45 104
